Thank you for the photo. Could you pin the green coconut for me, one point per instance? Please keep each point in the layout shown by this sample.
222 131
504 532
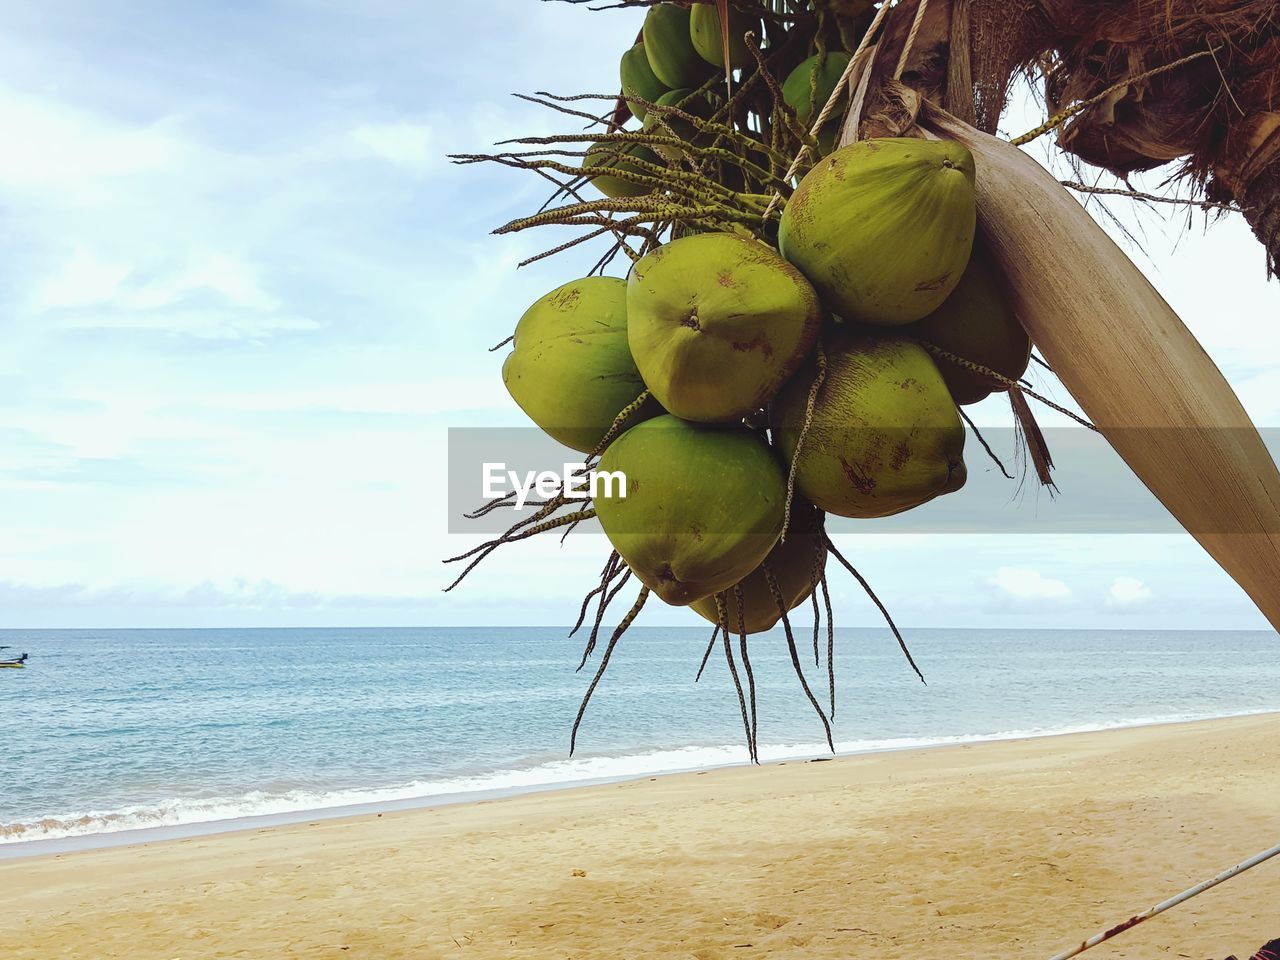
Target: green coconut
808 88
717 323
570 368
885 434
977 324
668 44
617 157
704 30
884 228
794 563
638 79
688 101
703 506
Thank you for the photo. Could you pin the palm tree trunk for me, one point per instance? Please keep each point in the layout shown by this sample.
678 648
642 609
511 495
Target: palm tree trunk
1261 203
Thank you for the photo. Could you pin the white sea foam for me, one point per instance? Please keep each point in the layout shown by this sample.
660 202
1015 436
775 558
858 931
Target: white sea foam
297 804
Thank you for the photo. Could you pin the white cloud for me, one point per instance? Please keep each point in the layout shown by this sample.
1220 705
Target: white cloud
411 146
229 277
218 324
84 280
90 280
1128 592
420 397
94 292
1024 583
53 147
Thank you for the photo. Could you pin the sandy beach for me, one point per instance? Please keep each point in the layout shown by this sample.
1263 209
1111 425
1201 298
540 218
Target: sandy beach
997 849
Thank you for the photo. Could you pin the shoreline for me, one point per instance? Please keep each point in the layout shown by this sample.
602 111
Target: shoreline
168 833
1011 848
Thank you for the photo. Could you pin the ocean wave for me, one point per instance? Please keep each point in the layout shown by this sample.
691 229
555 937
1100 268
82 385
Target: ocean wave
307 803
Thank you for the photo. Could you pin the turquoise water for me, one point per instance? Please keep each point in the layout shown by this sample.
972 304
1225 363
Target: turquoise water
116 730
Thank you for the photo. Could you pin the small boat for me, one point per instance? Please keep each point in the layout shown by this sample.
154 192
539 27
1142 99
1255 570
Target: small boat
13 663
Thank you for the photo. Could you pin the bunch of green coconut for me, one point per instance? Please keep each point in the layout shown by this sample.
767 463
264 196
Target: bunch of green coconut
746 391
750 376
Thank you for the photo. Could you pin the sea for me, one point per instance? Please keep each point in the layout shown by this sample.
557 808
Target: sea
114 736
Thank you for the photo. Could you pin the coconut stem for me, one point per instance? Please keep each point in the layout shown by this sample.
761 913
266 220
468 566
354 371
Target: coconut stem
829 107
584 512
493 545
570 189
983 441
782 109
723 616
604 664
810 403
501 343
494 504
746 666
605 600
743 143
817 624
738 144
619 422
711 645
546 510
795 653
511 536
831 644
610 572
644 173
626 227
1000 378
884 611
815 573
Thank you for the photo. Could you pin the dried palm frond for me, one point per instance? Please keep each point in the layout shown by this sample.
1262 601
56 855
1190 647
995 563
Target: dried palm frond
1219 112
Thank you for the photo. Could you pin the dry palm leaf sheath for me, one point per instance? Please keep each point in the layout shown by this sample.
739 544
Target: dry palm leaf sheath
828 252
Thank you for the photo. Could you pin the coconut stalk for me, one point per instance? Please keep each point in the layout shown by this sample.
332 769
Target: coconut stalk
1129 361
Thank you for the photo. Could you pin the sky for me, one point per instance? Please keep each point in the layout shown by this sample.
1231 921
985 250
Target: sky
244 295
